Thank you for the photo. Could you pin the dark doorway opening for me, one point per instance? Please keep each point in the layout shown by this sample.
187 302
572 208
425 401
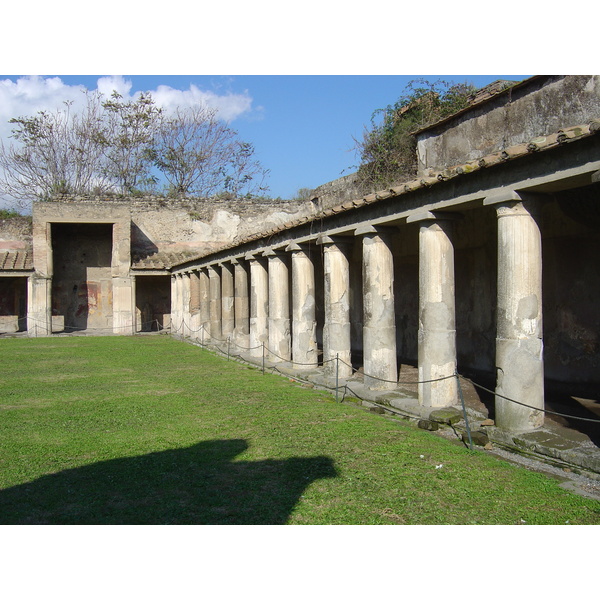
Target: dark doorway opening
13 304
82 280
153 302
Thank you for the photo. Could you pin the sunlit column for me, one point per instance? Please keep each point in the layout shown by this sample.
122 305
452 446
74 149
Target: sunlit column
379 323
336 329
304 321
519 334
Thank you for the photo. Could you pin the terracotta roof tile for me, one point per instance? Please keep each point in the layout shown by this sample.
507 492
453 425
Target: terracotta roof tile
541 143
16 260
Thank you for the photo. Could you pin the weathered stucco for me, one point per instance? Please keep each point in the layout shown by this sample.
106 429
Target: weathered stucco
536 108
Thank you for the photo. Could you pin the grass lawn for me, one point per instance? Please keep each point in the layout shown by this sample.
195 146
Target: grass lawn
150 430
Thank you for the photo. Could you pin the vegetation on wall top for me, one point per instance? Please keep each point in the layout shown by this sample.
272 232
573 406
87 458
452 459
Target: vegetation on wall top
387 150
126 147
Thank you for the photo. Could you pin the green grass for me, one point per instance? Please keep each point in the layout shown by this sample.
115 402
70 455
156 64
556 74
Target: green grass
151 430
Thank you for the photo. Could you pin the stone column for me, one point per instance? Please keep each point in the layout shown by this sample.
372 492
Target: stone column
379 320
437 328
336 329
304 320
39 302
185 304
174 305
241 301
122 282
123 289
259 305
195 305
519 339
279 307
214 291
227 306
204 299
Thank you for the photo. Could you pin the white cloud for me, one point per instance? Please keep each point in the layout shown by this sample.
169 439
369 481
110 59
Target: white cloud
229 106
108 85
29 95
26 96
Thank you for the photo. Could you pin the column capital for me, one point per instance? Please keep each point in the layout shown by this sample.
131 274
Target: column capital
297 247
434 215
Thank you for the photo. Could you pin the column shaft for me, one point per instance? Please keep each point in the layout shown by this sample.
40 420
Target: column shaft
241 305
175 310
379 326
437 329
215 303
336 329
259 306
204 299
519 343
304 321
279 308
227 305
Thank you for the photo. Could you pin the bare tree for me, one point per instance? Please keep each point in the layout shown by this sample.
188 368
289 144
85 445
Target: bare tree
199 154
54 153
117 145
127 136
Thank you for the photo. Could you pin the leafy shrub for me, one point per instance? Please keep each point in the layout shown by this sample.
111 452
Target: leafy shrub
388 148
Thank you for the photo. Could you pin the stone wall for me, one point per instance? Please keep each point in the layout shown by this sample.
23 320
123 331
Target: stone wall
538 106
16 233
173 226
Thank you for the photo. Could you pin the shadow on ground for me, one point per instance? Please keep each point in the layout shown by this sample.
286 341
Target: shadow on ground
196 485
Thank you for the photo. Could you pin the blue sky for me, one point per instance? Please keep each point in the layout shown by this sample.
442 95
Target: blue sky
302 127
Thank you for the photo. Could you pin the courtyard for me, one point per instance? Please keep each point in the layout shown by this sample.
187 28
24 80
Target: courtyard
150 430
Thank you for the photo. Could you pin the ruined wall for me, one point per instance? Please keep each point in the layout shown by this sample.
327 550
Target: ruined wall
187 226
16 233
537 107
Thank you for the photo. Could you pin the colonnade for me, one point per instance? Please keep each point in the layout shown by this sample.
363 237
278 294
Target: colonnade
268 296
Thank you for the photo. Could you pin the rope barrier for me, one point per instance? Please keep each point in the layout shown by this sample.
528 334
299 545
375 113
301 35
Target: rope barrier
544 410
400 382
183 325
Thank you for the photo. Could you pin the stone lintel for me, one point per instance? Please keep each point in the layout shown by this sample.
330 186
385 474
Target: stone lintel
324 239
506 196
434 215
367 229
271 252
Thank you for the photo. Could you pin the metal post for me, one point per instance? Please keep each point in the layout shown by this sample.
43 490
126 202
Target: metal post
263 358
462 401
337 372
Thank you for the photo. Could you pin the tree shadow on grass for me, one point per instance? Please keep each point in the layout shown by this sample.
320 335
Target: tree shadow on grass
195 485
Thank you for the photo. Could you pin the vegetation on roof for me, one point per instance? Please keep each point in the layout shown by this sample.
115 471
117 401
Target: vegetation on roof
387 150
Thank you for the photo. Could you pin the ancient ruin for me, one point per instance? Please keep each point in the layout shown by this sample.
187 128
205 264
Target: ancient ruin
485 263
